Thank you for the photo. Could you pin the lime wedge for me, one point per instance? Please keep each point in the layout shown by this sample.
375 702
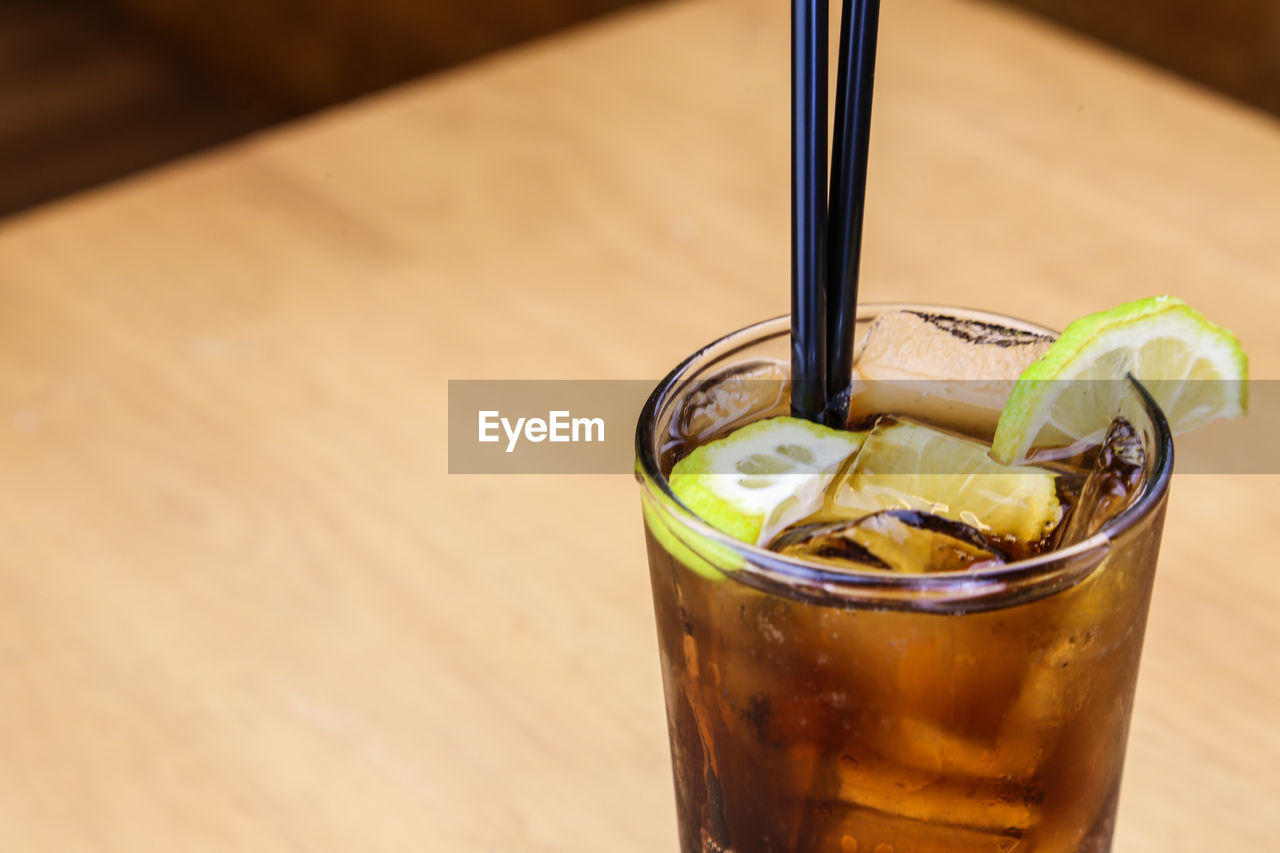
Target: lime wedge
757 480
709 559
904 465
1195 370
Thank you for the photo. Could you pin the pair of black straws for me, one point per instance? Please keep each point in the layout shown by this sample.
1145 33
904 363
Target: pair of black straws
826 230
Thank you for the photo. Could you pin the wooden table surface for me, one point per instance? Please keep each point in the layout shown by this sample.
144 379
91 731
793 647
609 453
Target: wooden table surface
244 607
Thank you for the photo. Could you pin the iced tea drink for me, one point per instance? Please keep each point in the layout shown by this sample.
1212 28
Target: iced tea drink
822 698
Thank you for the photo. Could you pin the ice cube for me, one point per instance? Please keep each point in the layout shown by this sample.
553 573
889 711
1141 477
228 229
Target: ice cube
882 825
1112 484
726 401
958 808
940 368
894 540
904 465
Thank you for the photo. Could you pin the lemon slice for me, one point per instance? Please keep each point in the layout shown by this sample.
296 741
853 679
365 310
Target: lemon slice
1196 372
903 465
761 478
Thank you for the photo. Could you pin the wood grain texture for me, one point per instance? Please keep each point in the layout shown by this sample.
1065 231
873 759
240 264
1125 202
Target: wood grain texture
245 608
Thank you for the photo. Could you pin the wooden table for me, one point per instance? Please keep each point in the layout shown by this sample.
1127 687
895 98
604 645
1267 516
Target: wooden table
245 608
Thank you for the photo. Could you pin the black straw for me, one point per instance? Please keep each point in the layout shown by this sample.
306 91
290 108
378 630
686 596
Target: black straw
808 208
855 77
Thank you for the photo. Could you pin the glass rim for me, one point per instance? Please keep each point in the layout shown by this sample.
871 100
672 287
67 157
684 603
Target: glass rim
777 573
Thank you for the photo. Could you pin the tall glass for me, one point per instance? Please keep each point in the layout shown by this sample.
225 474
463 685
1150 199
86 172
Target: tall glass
978 712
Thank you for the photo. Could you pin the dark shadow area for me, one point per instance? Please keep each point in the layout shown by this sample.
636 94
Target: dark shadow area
94 90
1229 45
84 99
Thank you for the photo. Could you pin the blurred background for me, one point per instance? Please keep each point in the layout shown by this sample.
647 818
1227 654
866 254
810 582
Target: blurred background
94 90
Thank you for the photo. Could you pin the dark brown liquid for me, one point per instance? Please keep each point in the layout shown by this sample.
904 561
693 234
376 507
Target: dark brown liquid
797 726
